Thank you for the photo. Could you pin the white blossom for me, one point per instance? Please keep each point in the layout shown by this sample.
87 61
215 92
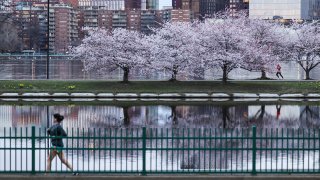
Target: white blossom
173 47
303 46
263 46
221 43
105 51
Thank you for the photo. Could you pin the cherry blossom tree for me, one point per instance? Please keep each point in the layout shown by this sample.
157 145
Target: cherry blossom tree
303 46
263 46
172 48
105 51
222 43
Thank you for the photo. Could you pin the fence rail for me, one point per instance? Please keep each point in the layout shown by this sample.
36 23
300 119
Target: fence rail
160 150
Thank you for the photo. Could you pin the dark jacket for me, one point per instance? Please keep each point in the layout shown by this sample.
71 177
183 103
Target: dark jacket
56 130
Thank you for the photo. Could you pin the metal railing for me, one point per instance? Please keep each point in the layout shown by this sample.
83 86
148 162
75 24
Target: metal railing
163 150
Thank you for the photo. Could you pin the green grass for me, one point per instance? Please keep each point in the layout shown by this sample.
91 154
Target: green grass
181 102
94 86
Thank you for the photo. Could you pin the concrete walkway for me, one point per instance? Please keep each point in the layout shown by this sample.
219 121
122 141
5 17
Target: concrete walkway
190 177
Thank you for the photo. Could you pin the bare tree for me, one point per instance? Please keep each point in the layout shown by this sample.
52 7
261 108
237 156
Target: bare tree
9 39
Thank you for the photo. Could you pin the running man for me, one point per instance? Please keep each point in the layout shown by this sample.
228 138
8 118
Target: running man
56 143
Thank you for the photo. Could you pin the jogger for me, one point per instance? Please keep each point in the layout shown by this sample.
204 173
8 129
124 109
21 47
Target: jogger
57 143
279 71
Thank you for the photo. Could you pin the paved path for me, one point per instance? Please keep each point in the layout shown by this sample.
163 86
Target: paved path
190 177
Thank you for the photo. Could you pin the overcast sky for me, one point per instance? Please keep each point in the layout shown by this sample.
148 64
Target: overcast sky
165 3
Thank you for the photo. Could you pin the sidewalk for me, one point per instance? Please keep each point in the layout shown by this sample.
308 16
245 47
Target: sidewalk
190 177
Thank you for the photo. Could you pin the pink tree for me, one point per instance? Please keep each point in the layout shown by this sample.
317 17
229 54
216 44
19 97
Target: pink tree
172 47
303 46
263 46
105 51
221 43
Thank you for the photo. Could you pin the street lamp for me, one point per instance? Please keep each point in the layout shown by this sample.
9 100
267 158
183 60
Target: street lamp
48 38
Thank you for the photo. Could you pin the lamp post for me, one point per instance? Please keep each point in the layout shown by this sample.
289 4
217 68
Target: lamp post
48 39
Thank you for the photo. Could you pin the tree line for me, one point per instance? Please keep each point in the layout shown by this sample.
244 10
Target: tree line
222 42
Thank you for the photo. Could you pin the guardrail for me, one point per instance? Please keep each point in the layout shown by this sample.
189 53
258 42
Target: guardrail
164 151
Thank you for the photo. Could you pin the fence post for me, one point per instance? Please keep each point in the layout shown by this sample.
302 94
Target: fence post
33 144
254 149
144 147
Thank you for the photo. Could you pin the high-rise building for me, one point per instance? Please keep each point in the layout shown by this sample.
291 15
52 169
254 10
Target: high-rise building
202 8
177 4
181 15
149 4
133 4
73 3
192 5
31 21
238 5
138 20
148 20
163 16
209 7
285 9
63 28
6 6
195 8
27 1
134 20
102 4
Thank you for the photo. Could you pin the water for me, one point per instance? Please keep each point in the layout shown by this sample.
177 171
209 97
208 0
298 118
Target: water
166 120
202 114
29 68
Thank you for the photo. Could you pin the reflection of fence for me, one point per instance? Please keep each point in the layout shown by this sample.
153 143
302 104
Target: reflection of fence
159 151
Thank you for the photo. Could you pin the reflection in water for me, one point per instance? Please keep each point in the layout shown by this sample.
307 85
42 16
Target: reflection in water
169 149
227 117
166 124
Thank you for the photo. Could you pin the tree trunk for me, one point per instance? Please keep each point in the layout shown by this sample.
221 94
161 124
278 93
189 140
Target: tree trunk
263 74
126 71
225 74
174 75
308 74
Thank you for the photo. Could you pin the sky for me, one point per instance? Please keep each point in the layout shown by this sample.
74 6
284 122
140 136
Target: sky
164 3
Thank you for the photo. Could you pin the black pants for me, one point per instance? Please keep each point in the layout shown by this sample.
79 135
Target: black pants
279 73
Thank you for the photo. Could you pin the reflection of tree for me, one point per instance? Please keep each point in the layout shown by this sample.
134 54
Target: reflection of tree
225 116
105 141
311 116
231 116
198 116
126 117
258 118
215 157
132 115
173 116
